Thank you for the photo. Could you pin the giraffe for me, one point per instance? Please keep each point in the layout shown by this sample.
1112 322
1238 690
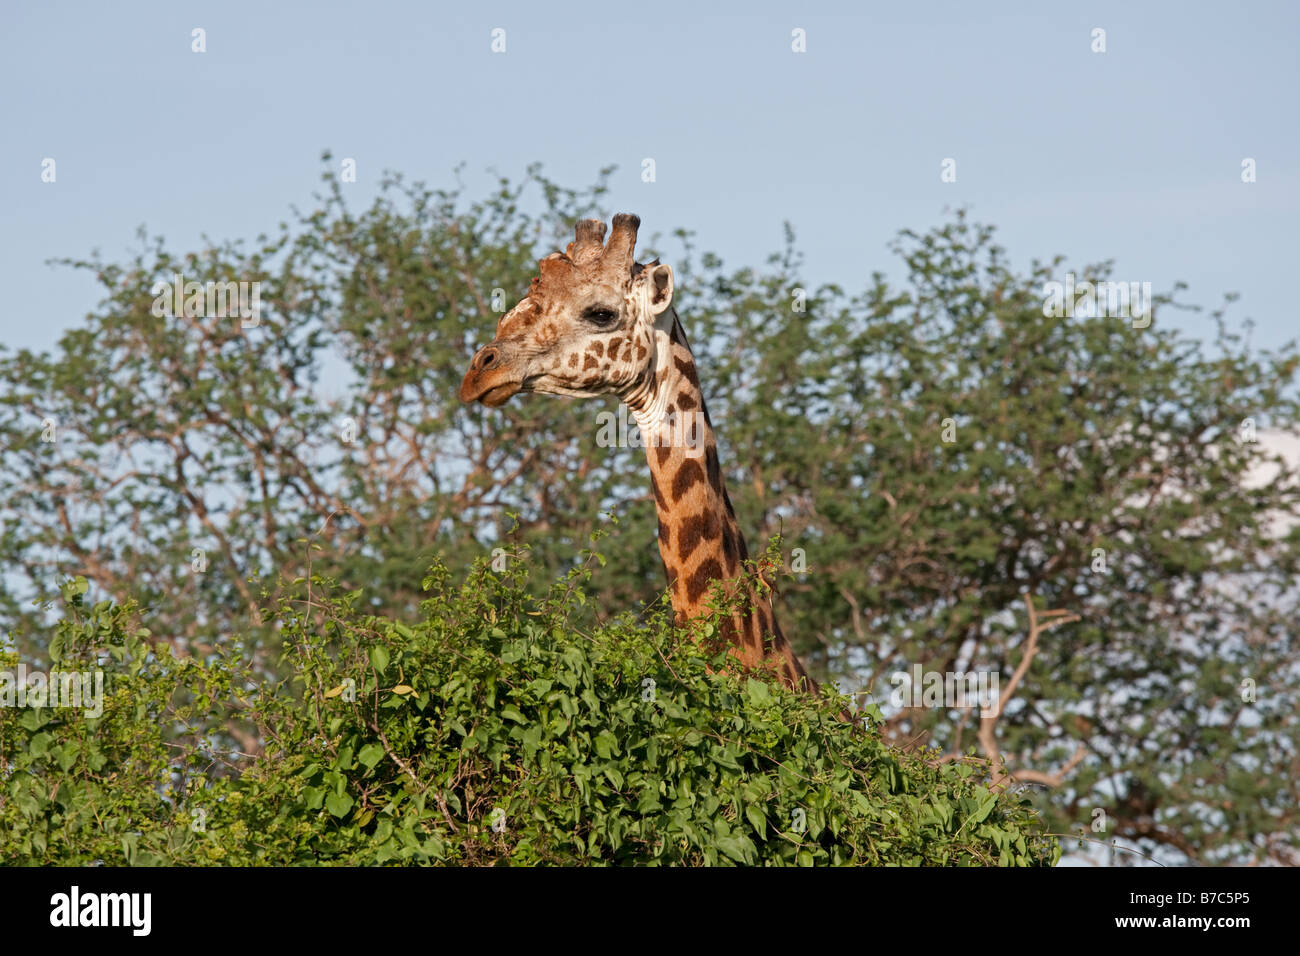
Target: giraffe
595 322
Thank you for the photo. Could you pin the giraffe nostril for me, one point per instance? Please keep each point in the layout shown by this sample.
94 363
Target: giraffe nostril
487 358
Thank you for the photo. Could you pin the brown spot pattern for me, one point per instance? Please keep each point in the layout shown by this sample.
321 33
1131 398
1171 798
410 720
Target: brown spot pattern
704 575
697 528
729 550
659 495
687 368
687 476
714 472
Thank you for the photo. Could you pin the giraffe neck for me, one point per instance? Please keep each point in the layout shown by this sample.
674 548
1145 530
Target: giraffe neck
699 539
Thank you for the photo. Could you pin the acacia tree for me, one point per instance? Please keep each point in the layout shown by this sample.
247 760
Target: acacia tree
943 451
947 464
190 459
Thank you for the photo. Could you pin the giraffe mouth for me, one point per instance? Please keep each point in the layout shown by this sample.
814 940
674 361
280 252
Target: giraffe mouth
490 389
487 393
499 394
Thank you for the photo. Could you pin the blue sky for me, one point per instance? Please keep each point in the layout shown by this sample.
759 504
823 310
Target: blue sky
1133 154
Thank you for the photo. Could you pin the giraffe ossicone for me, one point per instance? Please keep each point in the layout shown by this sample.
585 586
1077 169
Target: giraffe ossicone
595 322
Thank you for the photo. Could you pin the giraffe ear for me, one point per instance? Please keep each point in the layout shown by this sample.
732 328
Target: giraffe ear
661 288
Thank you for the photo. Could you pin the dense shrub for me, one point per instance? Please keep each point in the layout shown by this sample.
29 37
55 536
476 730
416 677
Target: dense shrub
492 730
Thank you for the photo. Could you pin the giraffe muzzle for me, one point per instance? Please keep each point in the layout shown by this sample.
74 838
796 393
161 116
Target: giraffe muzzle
490 379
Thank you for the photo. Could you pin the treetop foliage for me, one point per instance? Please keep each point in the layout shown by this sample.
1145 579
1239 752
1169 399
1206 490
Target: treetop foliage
495 729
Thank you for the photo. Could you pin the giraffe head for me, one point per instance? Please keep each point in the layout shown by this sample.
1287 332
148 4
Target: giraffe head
591 323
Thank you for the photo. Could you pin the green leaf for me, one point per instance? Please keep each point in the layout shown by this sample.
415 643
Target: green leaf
606 744
370 754
737 848
338 804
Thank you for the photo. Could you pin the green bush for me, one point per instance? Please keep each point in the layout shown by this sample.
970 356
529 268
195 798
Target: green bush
493 730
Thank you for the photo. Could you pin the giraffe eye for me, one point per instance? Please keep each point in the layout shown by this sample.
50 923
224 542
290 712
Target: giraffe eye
600 317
